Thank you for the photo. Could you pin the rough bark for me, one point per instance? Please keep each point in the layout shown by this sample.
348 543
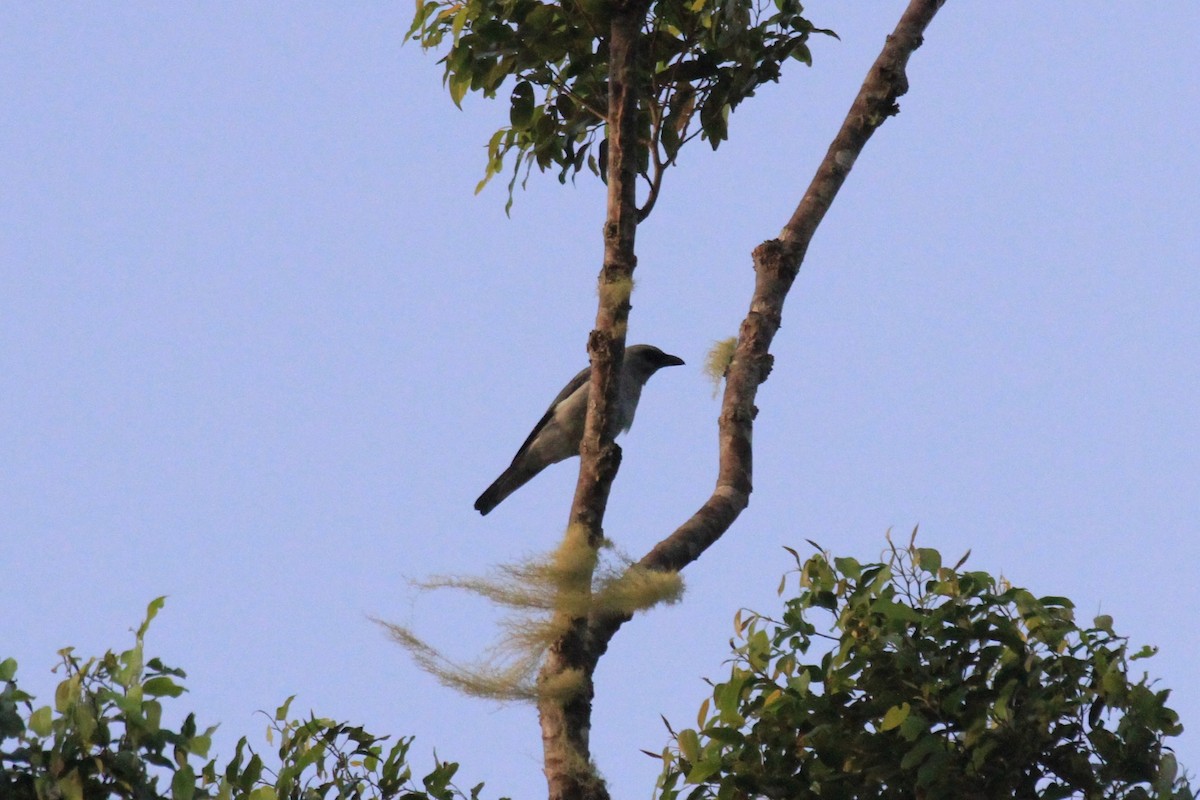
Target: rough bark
566 720
776 264
600 456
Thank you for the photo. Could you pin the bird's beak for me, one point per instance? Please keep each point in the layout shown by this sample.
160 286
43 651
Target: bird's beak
671 361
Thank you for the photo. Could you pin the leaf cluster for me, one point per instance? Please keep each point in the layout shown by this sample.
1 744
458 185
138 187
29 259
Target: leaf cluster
698 59
104 738
932 683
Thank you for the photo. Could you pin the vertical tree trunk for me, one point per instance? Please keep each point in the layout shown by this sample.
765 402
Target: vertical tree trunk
606 344
565 681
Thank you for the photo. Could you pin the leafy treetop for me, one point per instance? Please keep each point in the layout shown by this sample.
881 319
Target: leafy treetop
697 60
933 683
104 738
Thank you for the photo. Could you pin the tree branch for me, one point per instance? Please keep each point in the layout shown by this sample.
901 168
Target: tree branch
565 713
776 264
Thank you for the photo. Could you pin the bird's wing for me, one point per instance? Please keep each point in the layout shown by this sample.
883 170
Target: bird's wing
572 386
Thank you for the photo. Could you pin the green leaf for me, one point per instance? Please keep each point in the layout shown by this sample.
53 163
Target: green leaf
8 669
1168 768
152 715
162 686
848 567
253 772
65 694
70 786
913 726
725 735
459 84
689 745
183 785
460 19
281 713
895 612
894 716
1146 651
1055 791
130 672
929 559
704 769
521 111
925 747
151 612
200 745
40 721
702 714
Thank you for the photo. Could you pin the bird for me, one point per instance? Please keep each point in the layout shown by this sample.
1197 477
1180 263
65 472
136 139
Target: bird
557 434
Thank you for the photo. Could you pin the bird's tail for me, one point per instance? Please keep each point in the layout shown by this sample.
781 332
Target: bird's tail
513 478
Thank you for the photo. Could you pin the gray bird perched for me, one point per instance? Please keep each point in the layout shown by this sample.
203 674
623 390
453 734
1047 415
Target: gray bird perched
557 435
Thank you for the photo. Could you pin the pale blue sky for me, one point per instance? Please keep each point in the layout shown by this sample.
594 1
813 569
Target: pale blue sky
260 348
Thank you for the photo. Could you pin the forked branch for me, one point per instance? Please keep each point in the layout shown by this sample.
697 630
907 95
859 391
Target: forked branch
776 264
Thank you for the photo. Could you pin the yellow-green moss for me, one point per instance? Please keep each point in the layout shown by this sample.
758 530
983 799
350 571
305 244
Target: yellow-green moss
716 363
615 293
638 589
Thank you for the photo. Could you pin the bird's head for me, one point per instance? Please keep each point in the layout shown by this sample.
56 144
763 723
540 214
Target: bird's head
646 359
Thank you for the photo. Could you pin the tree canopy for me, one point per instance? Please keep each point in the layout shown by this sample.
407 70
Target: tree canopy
909 678
697 60
105 737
